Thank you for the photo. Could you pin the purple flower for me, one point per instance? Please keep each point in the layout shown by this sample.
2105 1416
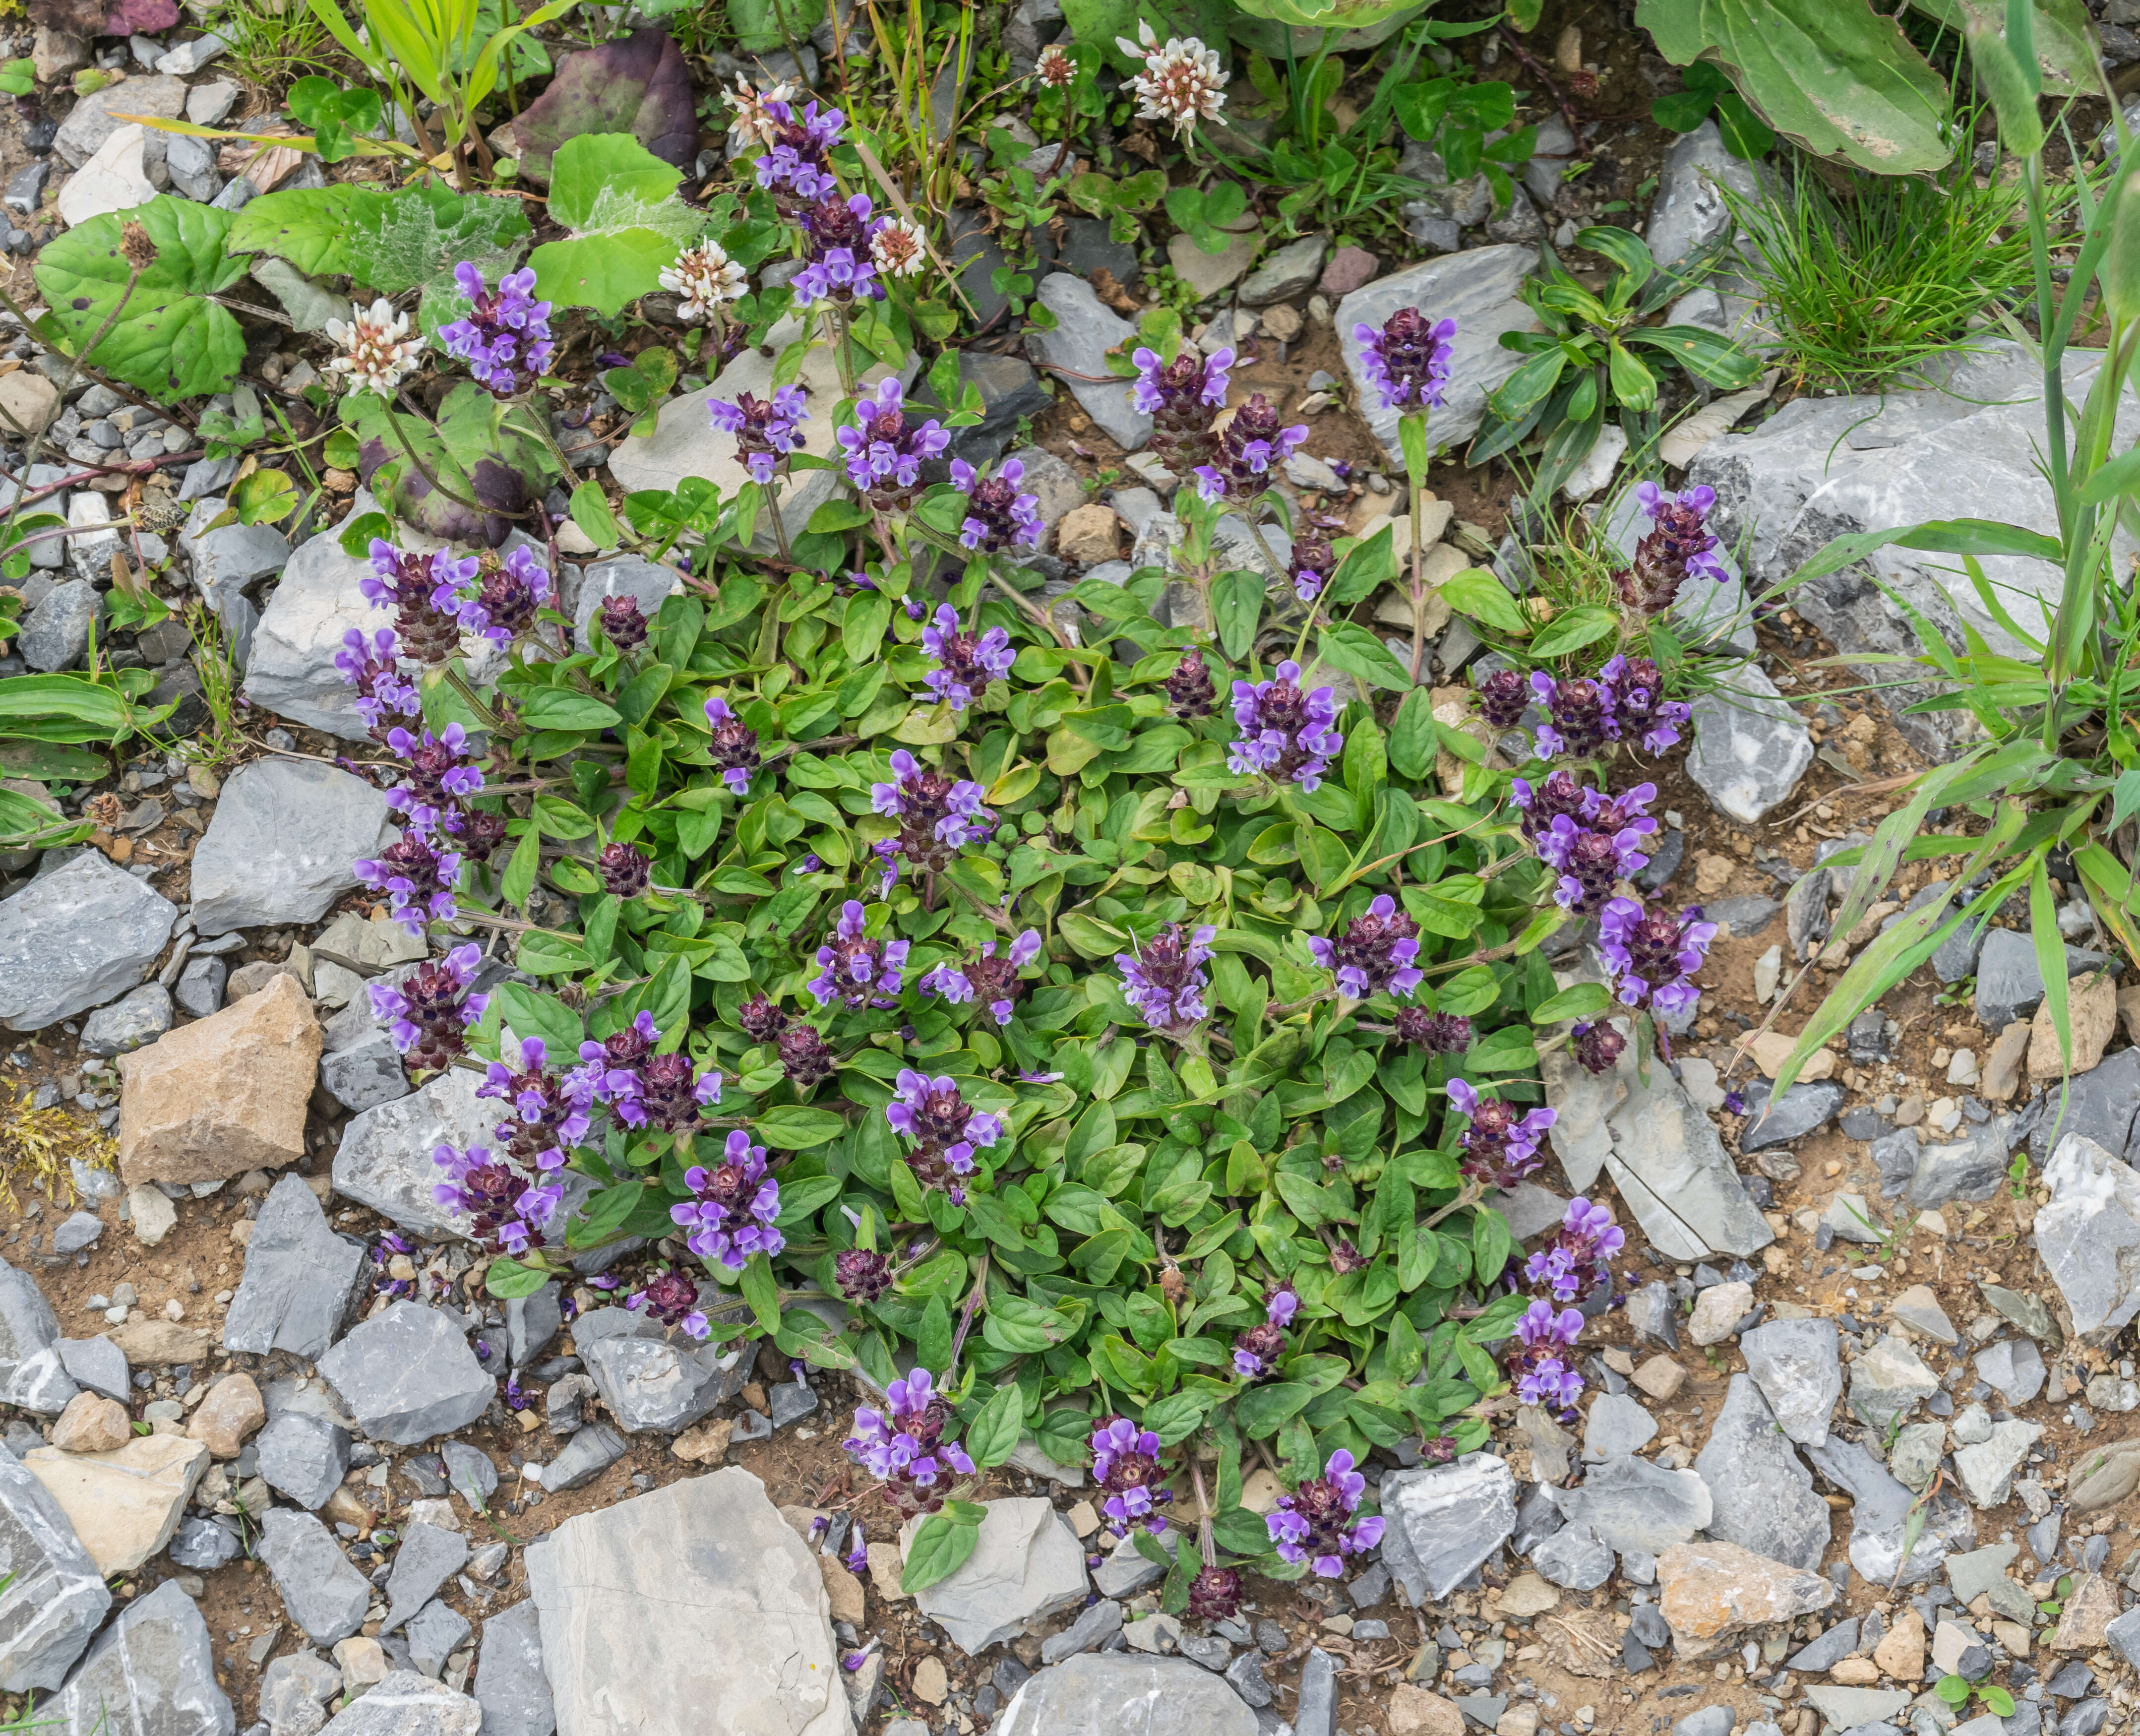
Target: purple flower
997 517
734 747
374 669
1126 1464
1499 1146
1543 1374
1679 546
886 448
1313 561
505 601
505 336
903 1445
1504 696
839 266
732 1206
548 1114
1311 1525
793 166
1579 1257
1164 979
938 816
1593 839
1582 713
1597 1047
621 623
1407 358
858 1554
1189 692
434 1004
424 591
672 1299
1246 452
963 663
765 429
1376 952
1436 1033
943 1128
1281 1304
1638 703
439 773
1650 955
1183 399
988 976
862 1274
507 1209
804 1057
418 879
855 969
625 870
1283 732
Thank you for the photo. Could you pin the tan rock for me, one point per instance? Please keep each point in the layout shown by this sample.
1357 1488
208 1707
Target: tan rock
930 1684
222 1095
346 1507
248 980
705 1445
1089 534
92 1424
156 1344
1773 1047
1526 1595
2091 1010
1856 1673
1901 1653
363 1661
1084 1518
1660 1377
1260 1490
230 1413
2128 1011
1415 1712
2092 1606
125 1504
843 1591
29 401
886 1565
151 1215
1712 874
2002 1068
1709 1591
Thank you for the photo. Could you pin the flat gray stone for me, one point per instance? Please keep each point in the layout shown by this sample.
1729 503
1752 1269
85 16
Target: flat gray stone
2089 1236
426 1558
31 1374
408 1375
1971 1169
1986 1469
645 582
281 844
303 1458
532 1321
202 1546
1574 1557
78 1232
654 1382
1123 1694
1633 1504
76 938
2102 1103
366 1074
152 1673
294 1691
1847 1708
1289 272
1615 1426
1674 1173
1688 212
385 1158
1880 1515
2014 1365
1125 1573
1445 1520
1095 1622
1889 1381
199 992
129 1023
95 118
2009 984
320 1588
54 1600
98 1364
591 1451
1823 1654
1479 289
291 671
1762 1497
435 1633
56 629
2124 1635
225 561
469 1472
406 1703
1799 1112
1750 747
1916 1455
300 1278
1028 1565
508 1675
697 1594
1085 331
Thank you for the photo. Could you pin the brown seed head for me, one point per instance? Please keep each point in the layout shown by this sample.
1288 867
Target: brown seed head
135 243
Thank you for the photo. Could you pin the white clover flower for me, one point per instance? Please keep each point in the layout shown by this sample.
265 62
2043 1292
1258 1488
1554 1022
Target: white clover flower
751 125
705 277
898 248
377 352
1055 68
1182 83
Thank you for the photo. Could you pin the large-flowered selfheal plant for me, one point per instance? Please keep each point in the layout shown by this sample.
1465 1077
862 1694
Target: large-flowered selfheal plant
1316 1525
1501 1146
1679 545
989 978
857 968
766 430
1286 734
1125 1465
1164 980
1374 954
943 1131
429 1015
1651 955
504 337
1544 1366
938 816
903 1445
963 662
733 1205
424 590
997 516
887 447
1578 1262
506 1208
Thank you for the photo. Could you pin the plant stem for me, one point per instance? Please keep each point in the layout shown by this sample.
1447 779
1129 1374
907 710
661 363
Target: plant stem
966 1318
1418 574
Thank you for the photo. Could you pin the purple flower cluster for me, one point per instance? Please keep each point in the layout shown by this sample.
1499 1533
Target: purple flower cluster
862 1274
1597 1047
1284 733
1503 697
433 1004
439 775
963 663
990 977
1126 1464
1315 1523
504 337
625 870
621 623
549 1113
886 448
1593 840
1257 1350
1406 358
1436 1033
374 669
733 746
902 1444
1377 952
997 517
1679 546
765 428
1543 1369
641 1087
943 1127
793 168
732 1206
1183 398
1245 453
1651 954
506 596
417 877
1164 979
854 968
1312 563
938 816
508 1211
424 590
1622 699
672 1299
1190 691
839 267
1500 1147
1578 1260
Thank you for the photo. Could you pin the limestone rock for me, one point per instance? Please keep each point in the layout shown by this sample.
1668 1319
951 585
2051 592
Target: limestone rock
152 1673
1028 1565
1798 1369
54 1598
124 1505
1750 748
281 844
1480 287
301 1277
322 1591
1084 331
92 1424
76 938
1118 1693
408 1375
385 1158
1762 1496
1443 1521
405 1703
2089 1236
1888 1381
1634 1505
509 1678
1709 1592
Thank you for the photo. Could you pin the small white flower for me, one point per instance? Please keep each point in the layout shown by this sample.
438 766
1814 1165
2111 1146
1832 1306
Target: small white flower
751 125
705 277
377 352
1182 83
1055 68
897 248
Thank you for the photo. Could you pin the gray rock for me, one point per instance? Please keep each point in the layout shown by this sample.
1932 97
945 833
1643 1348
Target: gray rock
1829 1650
202 1546
385 1158
1987 1469
53 1598
1085 331
31 1374
590 1452
1010 390
1793 1115
2009 985
1479 289
1916 1455
469 1472
1880 1514
321 1591
191 163
1094 1623
699 1594
2089 1236
508 1676
294 1691
625 575
1750 748
408 1375
2123 1633
1245 1675
95 118
301 1279
1688 212
2025 1311
303 1457
531 1322
151 1674
199 992
1028 1565
1125 1573
2015 1366
427 1557
1895 1156
650 1381
291 671
1762 1497
1709 1721
98 1364
1445 1520
791 1401
1129 1694
1919 1310
2102 1103
1574 1557
1970 1168
55 630
1316 1695
407 1705
1846 1709
435 1632
1653 1313
1849 1218
1289 272
1673 1173
78 1232
366 1074
1633 1504
76 938
226 560
1889 1381
1616 1426
281 844
130 1023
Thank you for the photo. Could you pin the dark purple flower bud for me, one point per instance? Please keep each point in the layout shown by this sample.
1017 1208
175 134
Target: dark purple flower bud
1500 1147
1344 1258
1257 1350
1679 545
1581 712
939 816
672 1299
1440 1449
432 1008
1190 690
625 871
672 1092
862 1274
1436 1033
1214 1594
506 600
761 1020
1313 561
804 1056
764 429
1183 398
1247 455
423 591
1377 952
480 832
1597 1047
621 623
1407 358
997 516
1502 698
733 746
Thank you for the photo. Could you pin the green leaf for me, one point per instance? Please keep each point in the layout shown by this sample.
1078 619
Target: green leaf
993 1436
794 1127
1571 632
308 226
412 237
170 340
762 1291
590 512
1363 657
1480 595
1581 1001
1237 602
560 708
505 1278
620 201
532 1015
940 1547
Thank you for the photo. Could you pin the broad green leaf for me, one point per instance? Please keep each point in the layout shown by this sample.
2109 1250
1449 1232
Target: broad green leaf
940 1548
993 1436
620 201
308 226
505 1278
412 238
1484 597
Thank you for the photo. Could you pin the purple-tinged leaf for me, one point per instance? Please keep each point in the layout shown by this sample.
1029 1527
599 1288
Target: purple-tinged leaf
639 86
